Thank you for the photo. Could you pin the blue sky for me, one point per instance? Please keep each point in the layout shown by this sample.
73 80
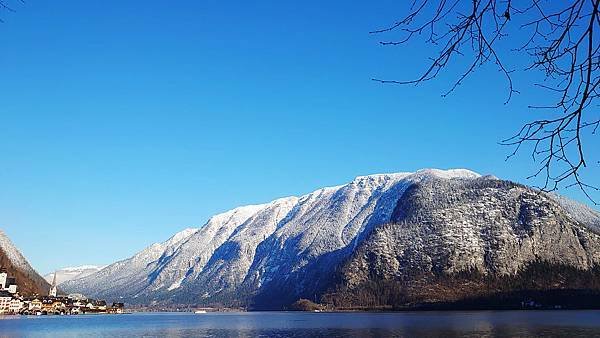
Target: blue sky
122 124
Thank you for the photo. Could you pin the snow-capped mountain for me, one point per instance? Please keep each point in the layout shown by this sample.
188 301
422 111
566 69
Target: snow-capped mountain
271 254
66 274
251 245
476 243
28 280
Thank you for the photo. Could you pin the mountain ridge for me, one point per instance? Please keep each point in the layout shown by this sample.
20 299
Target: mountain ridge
245 256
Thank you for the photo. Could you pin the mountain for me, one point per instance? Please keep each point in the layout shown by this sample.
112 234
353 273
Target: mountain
69 273
130 276
340 245
28 280
476 243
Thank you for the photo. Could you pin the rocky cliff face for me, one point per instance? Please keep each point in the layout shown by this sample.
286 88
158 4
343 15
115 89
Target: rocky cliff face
380 240
451 240
28 281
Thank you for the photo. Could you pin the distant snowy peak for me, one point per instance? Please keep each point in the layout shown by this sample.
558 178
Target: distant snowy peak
69 273
83 267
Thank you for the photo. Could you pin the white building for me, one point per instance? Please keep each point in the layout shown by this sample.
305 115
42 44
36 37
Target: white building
15 306
35 305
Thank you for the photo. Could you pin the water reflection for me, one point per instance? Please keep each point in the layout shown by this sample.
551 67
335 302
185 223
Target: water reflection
289 324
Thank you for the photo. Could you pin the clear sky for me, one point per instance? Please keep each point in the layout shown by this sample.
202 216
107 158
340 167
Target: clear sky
123 122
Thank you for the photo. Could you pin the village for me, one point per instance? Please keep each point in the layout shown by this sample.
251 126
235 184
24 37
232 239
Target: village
12 303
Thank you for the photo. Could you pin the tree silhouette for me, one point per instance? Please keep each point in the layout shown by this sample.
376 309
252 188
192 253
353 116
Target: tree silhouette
560 39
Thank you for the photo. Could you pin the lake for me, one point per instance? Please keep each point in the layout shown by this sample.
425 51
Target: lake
295 324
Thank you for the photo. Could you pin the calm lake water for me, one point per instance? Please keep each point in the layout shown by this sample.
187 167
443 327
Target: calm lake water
293 324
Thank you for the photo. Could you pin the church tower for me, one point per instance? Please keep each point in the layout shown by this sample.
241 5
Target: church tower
53 289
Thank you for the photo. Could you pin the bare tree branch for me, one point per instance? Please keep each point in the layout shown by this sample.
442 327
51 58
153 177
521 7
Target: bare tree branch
4 5
561 42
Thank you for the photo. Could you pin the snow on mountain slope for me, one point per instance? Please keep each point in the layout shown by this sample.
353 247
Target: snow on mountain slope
192 255
580 212
246 247
227 261
162 266
28 280
14 255
130 274
66 274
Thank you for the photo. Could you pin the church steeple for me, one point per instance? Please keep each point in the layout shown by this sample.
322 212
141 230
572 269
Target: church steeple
53 289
